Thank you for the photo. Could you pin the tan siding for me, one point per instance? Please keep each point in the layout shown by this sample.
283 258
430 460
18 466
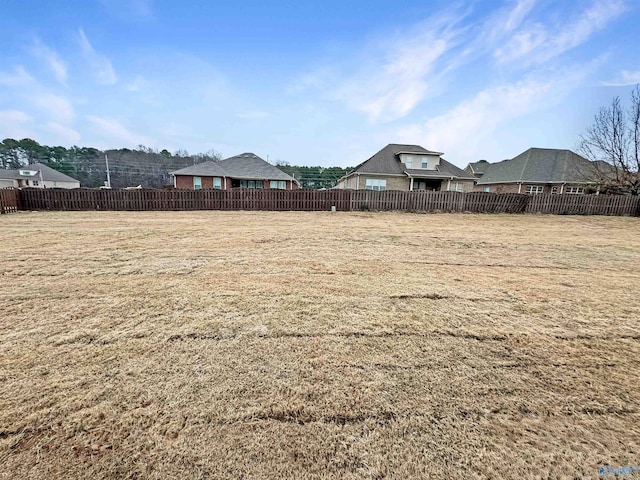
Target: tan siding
467 185
393 183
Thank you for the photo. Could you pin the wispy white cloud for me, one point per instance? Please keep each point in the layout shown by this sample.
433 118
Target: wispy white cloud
113 132
392 84
102 67
502 23
19 77
8 117
625 78
64 134
138 84
16 124
55 107
540 41
469 126
52 59
460 131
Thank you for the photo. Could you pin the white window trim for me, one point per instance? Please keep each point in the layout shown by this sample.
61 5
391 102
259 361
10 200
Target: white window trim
376 184
534 189
408 161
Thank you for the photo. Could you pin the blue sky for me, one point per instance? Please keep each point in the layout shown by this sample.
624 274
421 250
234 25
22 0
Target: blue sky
314 83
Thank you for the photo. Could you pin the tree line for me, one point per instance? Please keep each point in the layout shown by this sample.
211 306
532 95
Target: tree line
143 166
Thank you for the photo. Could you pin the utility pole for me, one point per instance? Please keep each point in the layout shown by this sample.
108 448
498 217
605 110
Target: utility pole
106 159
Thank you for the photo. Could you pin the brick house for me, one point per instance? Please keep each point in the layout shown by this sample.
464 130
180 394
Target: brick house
535 171
407 168
246 170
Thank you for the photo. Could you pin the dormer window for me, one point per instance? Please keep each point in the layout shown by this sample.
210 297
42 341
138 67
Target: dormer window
408 161
27 173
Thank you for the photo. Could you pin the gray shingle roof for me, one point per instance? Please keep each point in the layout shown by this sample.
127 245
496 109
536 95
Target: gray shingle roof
244 166
205 169
386 161
251 166
479 168
540 165
48 174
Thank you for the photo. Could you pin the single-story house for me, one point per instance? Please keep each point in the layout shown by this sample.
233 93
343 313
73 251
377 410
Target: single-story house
36 175
407 167
537 170
246 170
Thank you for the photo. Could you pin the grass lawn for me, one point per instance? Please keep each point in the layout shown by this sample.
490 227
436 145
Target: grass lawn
263 345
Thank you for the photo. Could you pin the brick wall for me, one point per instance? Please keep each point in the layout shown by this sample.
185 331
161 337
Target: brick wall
186 182
513 187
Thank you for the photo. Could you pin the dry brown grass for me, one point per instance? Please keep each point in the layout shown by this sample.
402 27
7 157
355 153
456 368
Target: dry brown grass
313 345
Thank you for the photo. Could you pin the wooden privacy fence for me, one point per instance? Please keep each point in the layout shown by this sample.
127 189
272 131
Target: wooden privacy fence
9 200
585 204
422 201
321 200
143 199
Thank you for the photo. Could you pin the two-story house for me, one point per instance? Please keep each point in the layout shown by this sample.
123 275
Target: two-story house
408 168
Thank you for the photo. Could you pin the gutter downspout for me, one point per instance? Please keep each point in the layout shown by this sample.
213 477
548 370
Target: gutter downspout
449 185
411 184
225 181
357 181
175 183
562 189
520 187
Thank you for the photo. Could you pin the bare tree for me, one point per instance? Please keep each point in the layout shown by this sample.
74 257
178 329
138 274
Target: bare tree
613 144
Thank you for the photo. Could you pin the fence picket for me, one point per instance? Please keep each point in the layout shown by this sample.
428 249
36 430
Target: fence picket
12 200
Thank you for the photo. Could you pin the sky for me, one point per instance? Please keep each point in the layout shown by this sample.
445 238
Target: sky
314 83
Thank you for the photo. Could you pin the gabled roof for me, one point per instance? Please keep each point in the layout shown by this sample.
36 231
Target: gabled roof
205 169
478 168
44 172
244 166
387 161
540 165
249 165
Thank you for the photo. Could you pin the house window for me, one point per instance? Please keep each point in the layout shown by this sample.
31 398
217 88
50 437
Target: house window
277 185
487 189
376 184
534 189
408 161
425 164
197 183
252 184
259 184
574 190
35 183
554 189
217 183
455 187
